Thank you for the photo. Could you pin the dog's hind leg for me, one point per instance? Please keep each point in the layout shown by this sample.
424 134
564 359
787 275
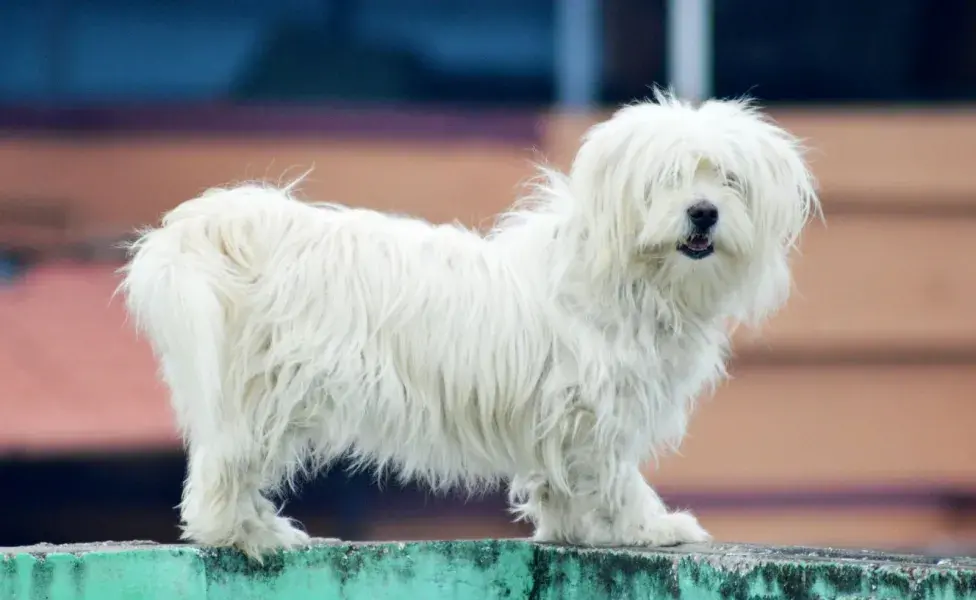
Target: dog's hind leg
242 447
178 287
224 502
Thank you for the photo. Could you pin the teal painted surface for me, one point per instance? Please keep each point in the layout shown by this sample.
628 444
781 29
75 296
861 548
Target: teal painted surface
476 570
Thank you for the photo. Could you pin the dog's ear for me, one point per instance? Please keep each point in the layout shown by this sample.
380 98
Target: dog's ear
785 196
766 287
768 284
608 199
782 208
783 199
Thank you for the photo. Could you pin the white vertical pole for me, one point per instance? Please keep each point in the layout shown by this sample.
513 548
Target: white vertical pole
689 53
578 53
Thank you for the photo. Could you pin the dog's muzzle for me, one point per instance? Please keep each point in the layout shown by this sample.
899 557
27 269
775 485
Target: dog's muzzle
698 244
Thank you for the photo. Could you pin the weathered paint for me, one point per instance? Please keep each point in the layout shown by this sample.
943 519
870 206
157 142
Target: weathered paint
477 570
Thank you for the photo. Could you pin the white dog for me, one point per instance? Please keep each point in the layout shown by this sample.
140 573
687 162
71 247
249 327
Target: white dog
560 352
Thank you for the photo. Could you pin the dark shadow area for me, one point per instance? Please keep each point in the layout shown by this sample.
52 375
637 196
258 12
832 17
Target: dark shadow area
90 498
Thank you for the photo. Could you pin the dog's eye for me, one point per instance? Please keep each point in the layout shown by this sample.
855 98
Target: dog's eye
732 180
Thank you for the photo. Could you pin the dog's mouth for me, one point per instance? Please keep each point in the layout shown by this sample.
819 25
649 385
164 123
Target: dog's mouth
697 246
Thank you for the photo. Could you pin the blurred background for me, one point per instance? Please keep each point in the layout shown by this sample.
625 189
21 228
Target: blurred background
851 422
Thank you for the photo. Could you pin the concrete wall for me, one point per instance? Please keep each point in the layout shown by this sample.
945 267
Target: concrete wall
481 570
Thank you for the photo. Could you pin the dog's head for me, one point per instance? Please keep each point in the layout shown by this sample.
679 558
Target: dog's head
709 198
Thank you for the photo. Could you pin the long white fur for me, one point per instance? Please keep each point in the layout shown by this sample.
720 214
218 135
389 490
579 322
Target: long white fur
558 353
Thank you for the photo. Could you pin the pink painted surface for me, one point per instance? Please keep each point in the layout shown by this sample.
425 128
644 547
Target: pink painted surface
73 375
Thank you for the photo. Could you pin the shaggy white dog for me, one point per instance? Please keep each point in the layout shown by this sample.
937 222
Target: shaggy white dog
559 353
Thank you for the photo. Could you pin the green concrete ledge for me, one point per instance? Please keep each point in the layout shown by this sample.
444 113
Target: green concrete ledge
478 570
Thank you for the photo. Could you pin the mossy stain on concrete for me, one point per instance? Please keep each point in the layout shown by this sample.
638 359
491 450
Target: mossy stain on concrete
41 578
565 572
219 563
619 573
77 572
936 585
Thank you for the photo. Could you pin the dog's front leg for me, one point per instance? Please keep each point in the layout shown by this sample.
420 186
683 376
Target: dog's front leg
612 508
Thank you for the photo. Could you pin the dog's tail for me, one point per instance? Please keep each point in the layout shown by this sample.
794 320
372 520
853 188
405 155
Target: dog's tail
171 289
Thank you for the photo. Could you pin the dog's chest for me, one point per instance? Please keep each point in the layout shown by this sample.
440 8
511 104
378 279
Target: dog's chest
669 366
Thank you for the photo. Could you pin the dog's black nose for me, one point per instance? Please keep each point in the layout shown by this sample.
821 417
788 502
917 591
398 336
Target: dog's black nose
703 215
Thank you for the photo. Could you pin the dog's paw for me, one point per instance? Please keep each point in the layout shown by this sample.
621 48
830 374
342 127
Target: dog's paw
670 530
269 535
